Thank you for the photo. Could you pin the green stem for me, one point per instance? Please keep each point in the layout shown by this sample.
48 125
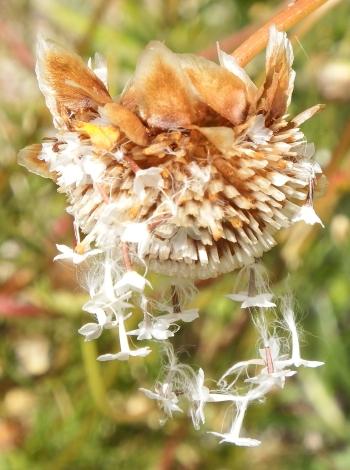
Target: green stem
94 377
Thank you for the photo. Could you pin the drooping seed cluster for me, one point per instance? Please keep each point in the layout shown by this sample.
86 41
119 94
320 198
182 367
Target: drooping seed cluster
190 173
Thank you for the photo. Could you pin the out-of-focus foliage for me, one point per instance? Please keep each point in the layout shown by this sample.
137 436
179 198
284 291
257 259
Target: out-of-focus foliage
59 408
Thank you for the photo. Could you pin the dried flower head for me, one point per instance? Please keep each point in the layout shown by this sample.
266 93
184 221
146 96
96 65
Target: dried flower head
189 173
204 165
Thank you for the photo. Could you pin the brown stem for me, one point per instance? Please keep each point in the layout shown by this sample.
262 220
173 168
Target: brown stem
175 300
131 163
251 283
285 19
103 193
231 42
126 257
269 361
306 25
156 222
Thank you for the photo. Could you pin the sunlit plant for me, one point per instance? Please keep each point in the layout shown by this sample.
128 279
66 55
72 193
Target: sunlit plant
189 173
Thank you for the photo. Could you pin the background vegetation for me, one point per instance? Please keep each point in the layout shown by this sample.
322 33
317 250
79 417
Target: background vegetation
59 408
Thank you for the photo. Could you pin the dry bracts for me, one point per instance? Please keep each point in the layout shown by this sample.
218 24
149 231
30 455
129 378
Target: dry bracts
189 173
220 160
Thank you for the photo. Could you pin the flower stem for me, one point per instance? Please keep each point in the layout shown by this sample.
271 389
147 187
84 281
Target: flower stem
175 300
102 192
132 164
252 283
269 361
285 19
126 256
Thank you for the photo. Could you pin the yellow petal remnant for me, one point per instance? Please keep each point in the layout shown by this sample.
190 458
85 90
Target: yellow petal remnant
102 137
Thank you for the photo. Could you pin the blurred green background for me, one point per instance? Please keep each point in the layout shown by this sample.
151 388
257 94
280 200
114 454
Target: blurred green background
59 408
